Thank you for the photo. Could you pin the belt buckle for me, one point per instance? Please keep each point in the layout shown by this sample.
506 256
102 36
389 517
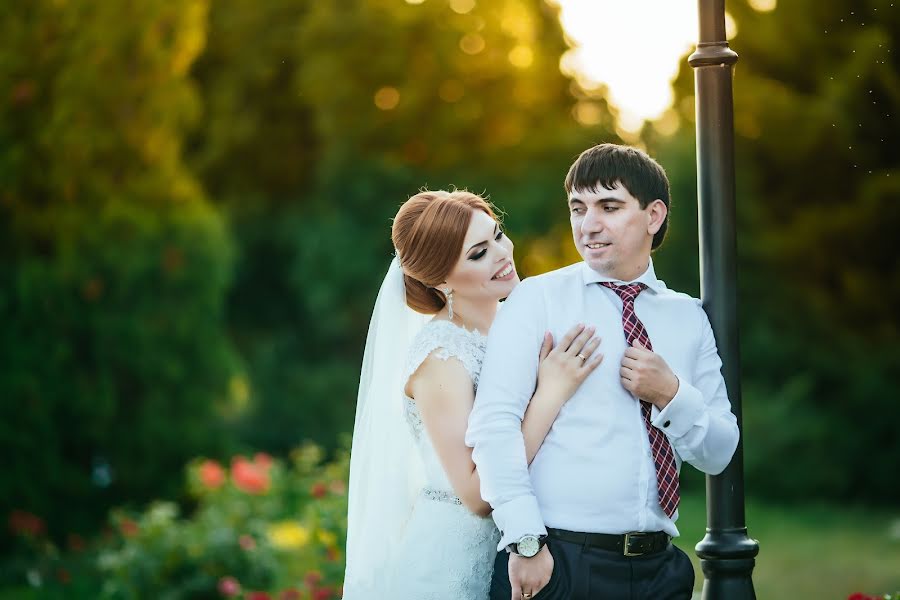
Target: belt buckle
625 549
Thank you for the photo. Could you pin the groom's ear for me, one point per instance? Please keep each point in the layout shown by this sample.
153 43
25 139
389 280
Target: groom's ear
657 211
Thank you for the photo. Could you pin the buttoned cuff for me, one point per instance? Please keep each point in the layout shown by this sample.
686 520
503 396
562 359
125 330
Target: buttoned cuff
682 413
518 517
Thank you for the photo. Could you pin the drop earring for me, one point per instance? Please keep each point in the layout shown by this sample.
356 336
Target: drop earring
448 293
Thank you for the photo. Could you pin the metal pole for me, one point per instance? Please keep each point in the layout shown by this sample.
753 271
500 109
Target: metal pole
726 552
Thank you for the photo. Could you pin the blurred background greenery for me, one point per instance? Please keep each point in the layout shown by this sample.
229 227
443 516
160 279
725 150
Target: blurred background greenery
195 202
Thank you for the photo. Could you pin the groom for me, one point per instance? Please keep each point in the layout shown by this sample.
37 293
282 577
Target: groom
594 515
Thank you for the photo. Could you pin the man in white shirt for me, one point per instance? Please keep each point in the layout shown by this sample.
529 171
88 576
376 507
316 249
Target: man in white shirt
594 514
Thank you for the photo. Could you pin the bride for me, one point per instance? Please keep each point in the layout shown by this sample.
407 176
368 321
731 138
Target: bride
417 526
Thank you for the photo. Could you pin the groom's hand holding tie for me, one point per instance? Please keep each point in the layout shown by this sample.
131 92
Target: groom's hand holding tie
646 375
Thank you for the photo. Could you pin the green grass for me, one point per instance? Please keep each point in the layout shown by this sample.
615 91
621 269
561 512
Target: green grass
809 552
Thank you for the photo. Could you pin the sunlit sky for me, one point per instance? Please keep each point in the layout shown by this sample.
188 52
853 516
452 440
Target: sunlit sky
633 47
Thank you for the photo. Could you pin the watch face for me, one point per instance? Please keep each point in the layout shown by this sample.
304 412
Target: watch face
528 546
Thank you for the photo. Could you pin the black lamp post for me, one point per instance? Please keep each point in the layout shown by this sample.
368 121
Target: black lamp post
726 552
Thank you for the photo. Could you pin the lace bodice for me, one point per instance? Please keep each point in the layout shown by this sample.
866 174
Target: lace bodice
445 340
449 552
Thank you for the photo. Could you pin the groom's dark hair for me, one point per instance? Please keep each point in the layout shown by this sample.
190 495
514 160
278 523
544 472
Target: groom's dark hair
609 164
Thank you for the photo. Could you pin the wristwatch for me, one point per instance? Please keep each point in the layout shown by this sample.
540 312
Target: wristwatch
528 545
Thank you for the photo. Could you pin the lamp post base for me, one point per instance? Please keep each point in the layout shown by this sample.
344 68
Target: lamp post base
727 559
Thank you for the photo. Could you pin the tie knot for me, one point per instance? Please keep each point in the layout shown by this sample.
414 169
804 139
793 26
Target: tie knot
626 292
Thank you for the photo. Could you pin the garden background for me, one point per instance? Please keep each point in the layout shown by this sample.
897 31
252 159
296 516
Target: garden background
195 202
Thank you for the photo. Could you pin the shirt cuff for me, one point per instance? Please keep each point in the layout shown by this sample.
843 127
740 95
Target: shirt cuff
681 413
518 517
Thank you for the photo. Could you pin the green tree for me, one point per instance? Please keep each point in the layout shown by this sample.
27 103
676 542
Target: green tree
322 119
113 266
817 96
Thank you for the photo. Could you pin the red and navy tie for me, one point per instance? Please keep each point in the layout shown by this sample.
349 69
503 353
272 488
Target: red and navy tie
660 448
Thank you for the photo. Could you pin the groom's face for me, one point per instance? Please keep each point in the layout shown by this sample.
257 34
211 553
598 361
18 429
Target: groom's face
612 233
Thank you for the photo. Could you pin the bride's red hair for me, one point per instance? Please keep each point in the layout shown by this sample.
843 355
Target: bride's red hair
428 233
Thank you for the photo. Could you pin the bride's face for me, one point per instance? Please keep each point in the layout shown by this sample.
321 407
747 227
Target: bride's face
485 269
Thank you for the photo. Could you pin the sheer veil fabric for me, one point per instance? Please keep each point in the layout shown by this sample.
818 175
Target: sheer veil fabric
386 471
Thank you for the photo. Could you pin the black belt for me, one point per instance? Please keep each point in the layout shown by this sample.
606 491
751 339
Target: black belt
627 544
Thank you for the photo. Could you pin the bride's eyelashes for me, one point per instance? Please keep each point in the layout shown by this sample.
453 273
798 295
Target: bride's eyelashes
482 252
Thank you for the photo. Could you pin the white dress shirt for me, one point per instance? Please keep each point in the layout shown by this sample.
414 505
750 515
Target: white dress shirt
594 472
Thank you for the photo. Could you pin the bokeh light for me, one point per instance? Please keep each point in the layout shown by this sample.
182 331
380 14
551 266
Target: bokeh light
617 45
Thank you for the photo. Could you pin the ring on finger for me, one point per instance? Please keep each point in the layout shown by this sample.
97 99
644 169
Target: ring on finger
581 356
527 595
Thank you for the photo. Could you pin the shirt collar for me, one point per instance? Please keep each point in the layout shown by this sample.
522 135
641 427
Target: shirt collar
648 277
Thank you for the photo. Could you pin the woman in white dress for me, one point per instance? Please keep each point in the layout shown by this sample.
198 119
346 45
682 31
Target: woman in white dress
417 526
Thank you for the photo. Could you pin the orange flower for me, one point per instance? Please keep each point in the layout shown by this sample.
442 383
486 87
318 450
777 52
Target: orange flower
249 477
212 474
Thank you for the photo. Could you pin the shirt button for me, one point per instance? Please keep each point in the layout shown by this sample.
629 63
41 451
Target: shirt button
667 423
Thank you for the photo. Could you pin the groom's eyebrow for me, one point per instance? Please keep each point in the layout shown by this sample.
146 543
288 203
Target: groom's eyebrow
496 227
574 199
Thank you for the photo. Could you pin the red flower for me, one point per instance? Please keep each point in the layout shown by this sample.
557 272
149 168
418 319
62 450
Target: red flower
861 596
23 92
247 542
324 593
76 542
172 259
25 523
92 289
262 460
229 587
318 490
249 477
312 579
212 475
289 594
128 528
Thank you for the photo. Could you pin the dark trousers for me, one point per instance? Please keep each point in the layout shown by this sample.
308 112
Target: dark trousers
581 573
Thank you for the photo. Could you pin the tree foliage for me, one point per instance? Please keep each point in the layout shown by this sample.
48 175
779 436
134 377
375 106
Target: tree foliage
817 95
195 202
113 350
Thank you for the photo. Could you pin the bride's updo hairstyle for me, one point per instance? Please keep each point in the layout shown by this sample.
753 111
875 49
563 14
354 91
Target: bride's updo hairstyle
428 233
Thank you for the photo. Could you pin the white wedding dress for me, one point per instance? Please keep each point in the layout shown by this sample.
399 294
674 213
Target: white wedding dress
446 552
